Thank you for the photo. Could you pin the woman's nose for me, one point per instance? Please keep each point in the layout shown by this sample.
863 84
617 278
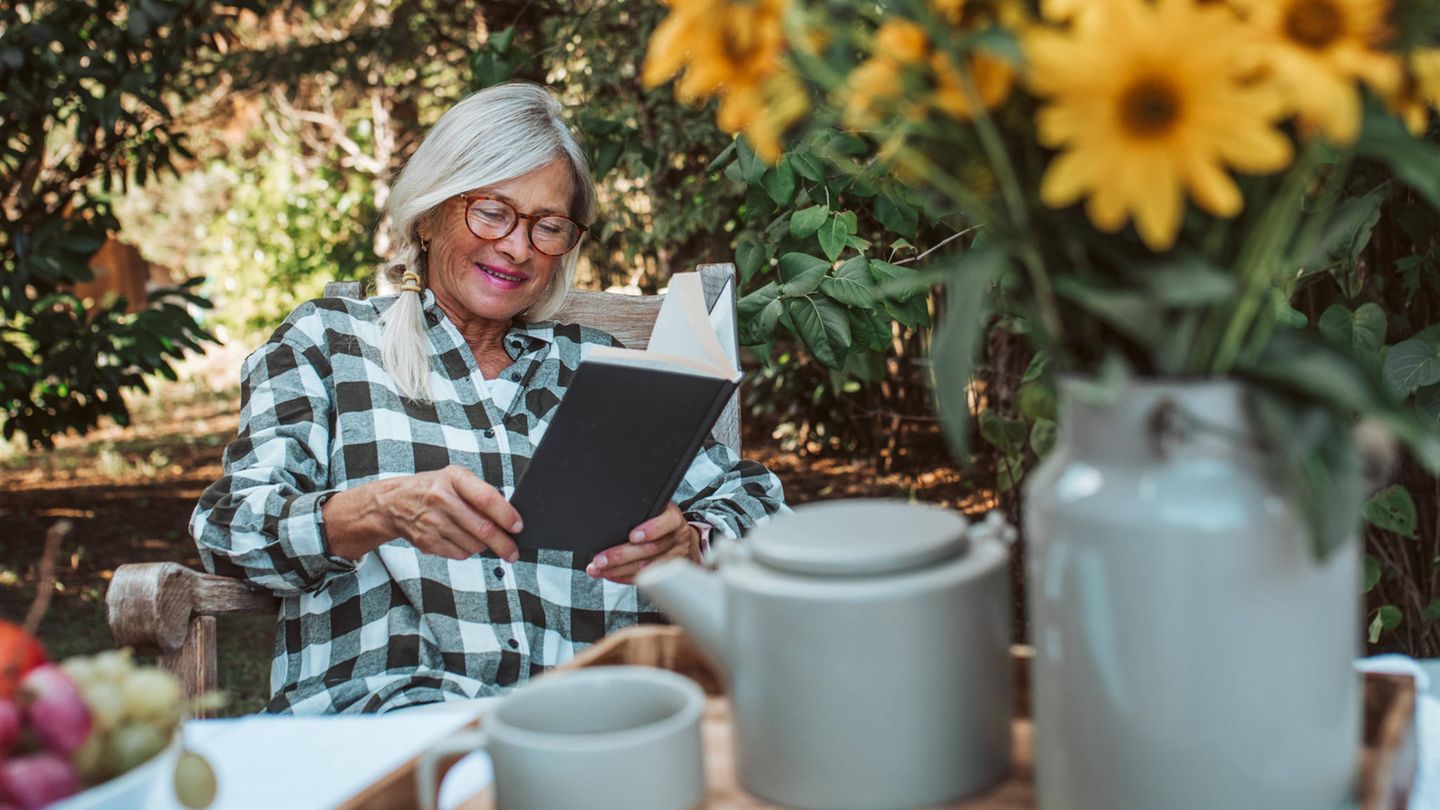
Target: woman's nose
516 244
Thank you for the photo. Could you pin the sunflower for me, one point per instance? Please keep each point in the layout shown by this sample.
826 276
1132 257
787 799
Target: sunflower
1419 90
1146 106
1319 49
733 49
992 80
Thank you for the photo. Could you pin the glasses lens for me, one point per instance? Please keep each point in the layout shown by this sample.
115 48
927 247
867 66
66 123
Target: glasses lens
490 219
554 235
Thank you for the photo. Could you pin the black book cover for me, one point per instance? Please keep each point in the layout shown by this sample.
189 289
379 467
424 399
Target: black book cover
614 454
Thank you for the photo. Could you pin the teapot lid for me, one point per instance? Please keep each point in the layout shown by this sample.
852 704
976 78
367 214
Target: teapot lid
860 536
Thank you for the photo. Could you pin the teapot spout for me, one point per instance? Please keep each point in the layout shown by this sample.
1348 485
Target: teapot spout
694 599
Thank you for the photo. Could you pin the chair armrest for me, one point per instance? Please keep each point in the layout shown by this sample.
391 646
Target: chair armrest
149 606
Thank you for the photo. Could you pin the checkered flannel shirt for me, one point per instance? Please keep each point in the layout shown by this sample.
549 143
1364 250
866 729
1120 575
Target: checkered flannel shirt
400 627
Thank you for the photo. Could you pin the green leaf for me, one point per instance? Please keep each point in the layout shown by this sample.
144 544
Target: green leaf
752 168
1311 451
807 221
800 273
1042 437
1393 510
1347 233
1004 434
809 166
898 281
1186 283
1431 612
897 215
823 326
834 233
779 183
1415 161
1372 572
1127 311
958 338
1427 406
721 159
914 313
1362 330
869 330
750 256
1036 400
757 312
847 291
1369 329
1411 364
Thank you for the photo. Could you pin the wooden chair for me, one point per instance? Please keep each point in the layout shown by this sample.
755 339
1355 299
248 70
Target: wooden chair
169 610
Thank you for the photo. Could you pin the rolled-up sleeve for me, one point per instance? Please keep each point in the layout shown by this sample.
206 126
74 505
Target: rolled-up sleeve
261 521
729 493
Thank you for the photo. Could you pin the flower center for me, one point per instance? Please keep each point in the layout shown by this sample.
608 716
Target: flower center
1150 108
1313 23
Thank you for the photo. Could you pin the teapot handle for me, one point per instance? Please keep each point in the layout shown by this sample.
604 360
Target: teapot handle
994 527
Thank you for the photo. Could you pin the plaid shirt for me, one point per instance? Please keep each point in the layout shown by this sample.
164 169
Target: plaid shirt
400 627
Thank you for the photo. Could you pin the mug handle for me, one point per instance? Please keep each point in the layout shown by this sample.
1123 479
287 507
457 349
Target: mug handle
427 787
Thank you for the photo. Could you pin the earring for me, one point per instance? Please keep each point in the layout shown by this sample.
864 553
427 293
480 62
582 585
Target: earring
424 245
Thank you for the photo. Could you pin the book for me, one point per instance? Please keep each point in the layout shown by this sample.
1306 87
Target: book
629 426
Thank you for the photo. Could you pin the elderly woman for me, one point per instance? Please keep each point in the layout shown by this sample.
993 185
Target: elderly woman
379 440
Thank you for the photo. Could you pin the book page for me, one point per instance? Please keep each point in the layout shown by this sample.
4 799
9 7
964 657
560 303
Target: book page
722 323
683 327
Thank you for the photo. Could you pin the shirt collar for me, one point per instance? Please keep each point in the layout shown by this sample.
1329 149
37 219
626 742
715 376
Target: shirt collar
522 336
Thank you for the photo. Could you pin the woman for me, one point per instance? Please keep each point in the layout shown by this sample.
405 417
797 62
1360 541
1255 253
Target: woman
379 440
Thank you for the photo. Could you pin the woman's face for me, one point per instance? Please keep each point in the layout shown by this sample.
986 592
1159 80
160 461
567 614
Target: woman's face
497 279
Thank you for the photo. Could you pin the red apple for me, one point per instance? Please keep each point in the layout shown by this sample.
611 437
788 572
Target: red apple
55 709
9 725
19 653
36 780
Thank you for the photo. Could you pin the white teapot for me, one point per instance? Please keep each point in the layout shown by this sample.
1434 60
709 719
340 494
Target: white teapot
865 645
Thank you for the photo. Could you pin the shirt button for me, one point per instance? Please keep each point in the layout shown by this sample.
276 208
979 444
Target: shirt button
489 433
514 645
499 573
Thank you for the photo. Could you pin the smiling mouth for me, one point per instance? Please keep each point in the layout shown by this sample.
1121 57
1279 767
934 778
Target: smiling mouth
512 277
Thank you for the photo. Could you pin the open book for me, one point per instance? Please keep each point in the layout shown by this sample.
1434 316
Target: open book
629 426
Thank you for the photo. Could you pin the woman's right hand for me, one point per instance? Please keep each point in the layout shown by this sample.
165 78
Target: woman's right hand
450 513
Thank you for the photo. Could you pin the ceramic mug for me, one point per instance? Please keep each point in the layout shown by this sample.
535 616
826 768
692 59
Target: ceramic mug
608 738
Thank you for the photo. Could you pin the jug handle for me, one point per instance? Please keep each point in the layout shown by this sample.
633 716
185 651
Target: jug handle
993 527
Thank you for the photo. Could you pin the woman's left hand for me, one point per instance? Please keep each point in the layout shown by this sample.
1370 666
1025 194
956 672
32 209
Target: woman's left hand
663 537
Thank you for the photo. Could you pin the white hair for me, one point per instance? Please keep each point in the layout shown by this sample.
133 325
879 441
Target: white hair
489 137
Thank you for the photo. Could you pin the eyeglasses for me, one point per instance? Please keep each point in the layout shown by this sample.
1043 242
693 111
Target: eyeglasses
551 234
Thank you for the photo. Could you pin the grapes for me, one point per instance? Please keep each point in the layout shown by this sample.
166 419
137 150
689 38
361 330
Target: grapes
106 702
195 784
135 711
134 744
153 695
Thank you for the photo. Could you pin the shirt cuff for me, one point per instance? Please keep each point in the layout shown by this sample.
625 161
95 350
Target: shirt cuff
302 536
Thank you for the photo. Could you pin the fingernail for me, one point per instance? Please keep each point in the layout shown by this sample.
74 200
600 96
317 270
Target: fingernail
636 536
590 569
599 561
514 555
518 527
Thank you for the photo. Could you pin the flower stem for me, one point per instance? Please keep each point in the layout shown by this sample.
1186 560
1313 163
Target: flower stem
1256 264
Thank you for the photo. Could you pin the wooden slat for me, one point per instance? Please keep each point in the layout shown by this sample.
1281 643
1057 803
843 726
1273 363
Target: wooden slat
344 289
195 662
220 596
630 318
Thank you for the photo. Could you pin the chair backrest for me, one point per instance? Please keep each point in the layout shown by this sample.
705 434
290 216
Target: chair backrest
631 318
